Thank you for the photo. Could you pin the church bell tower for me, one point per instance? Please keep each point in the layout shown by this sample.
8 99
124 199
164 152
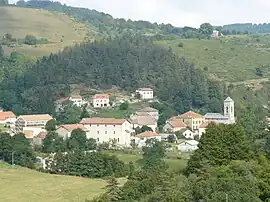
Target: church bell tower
229 109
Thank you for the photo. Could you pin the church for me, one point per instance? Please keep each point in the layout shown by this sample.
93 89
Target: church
227 117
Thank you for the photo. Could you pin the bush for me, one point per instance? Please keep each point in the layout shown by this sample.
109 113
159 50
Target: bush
124 106
30 40
181 45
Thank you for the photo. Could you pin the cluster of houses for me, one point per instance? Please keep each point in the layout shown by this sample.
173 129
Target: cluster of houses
122 131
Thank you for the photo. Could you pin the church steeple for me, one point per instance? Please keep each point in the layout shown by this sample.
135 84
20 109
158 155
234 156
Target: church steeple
229 109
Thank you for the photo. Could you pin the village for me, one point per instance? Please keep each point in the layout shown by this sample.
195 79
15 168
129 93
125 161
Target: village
185 129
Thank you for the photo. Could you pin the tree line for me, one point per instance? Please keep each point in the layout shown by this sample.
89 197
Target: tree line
128 62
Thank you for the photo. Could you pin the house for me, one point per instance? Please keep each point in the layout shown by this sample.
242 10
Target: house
215 33
65 130
174 126
77 100
8 118
188 134
31 125
191 119
108 129
38 140
141 138
148 111
188 146
145 93
101 100
140 121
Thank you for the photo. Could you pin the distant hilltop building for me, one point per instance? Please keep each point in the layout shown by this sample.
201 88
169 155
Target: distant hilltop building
216 33
145 93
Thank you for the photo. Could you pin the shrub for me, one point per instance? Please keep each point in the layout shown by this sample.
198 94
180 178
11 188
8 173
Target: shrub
181 45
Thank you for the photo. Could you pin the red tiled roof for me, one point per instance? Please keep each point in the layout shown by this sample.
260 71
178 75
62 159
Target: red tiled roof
101 96
42 135
144 120
71 127
97 120
147 134
177 124
205 124
6 115
190 114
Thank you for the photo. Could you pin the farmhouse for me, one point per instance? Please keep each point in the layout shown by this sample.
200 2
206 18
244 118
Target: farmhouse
108 130
7 118
66 130
141 138
101 100
145 93
77 100
31 125
174 126
188 146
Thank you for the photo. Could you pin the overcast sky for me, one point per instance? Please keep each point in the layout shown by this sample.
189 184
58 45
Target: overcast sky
182 12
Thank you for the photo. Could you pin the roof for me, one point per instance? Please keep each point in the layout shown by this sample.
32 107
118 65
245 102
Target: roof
42 135
147 134
101 96
145 89
37 117
148 109
190 114
214 116
144 120
71 127
98 120
177 124
205 124
191 142
6 115
228 99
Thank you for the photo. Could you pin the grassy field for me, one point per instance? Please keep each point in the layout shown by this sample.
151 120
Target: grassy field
228 58
24 185
43 24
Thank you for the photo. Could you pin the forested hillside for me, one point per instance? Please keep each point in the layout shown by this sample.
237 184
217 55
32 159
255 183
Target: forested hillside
128 62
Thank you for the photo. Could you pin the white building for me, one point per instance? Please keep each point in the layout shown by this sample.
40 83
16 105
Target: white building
101 100
188 146
174 126
8 118
77 100
31 125
145 93
66 130
140 121
108 129
140 139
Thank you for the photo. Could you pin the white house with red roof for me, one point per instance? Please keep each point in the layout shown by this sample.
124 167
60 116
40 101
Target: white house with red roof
101 100
108 130
8 118
141 138
173 126
145 93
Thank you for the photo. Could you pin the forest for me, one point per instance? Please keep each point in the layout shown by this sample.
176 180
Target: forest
128 62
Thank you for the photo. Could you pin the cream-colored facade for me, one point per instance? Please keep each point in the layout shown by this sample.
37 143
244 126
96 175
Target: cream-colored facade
108 130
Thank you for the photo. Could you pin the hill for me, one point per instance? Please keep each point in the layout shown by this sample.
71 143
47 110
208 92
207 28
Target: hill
228 58
58 29
24 185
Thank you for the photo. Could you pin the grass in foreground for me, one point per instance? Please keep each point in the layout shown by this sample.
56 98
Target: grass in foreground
24 185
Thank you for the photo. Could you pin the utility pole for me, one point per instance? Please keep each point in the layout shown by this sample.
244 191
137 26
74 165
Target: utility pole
12 156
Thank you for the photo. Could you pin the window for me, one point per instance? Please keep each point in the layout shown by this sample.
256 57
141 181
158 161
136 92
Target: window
118 140
113 132
227 110
98 139
97 125
97 132
113 125
105 132
105 125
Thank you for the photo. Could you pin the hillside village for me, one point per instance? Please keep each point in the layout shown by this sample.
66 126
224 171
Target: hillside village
136 129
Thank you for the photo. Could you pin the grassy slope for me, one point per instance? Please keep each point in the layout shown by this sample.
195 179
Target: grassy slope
43 24
225 59
24 185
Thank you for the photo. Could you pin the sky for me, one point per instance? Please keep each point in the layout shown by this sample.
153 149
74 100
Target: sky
181 12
